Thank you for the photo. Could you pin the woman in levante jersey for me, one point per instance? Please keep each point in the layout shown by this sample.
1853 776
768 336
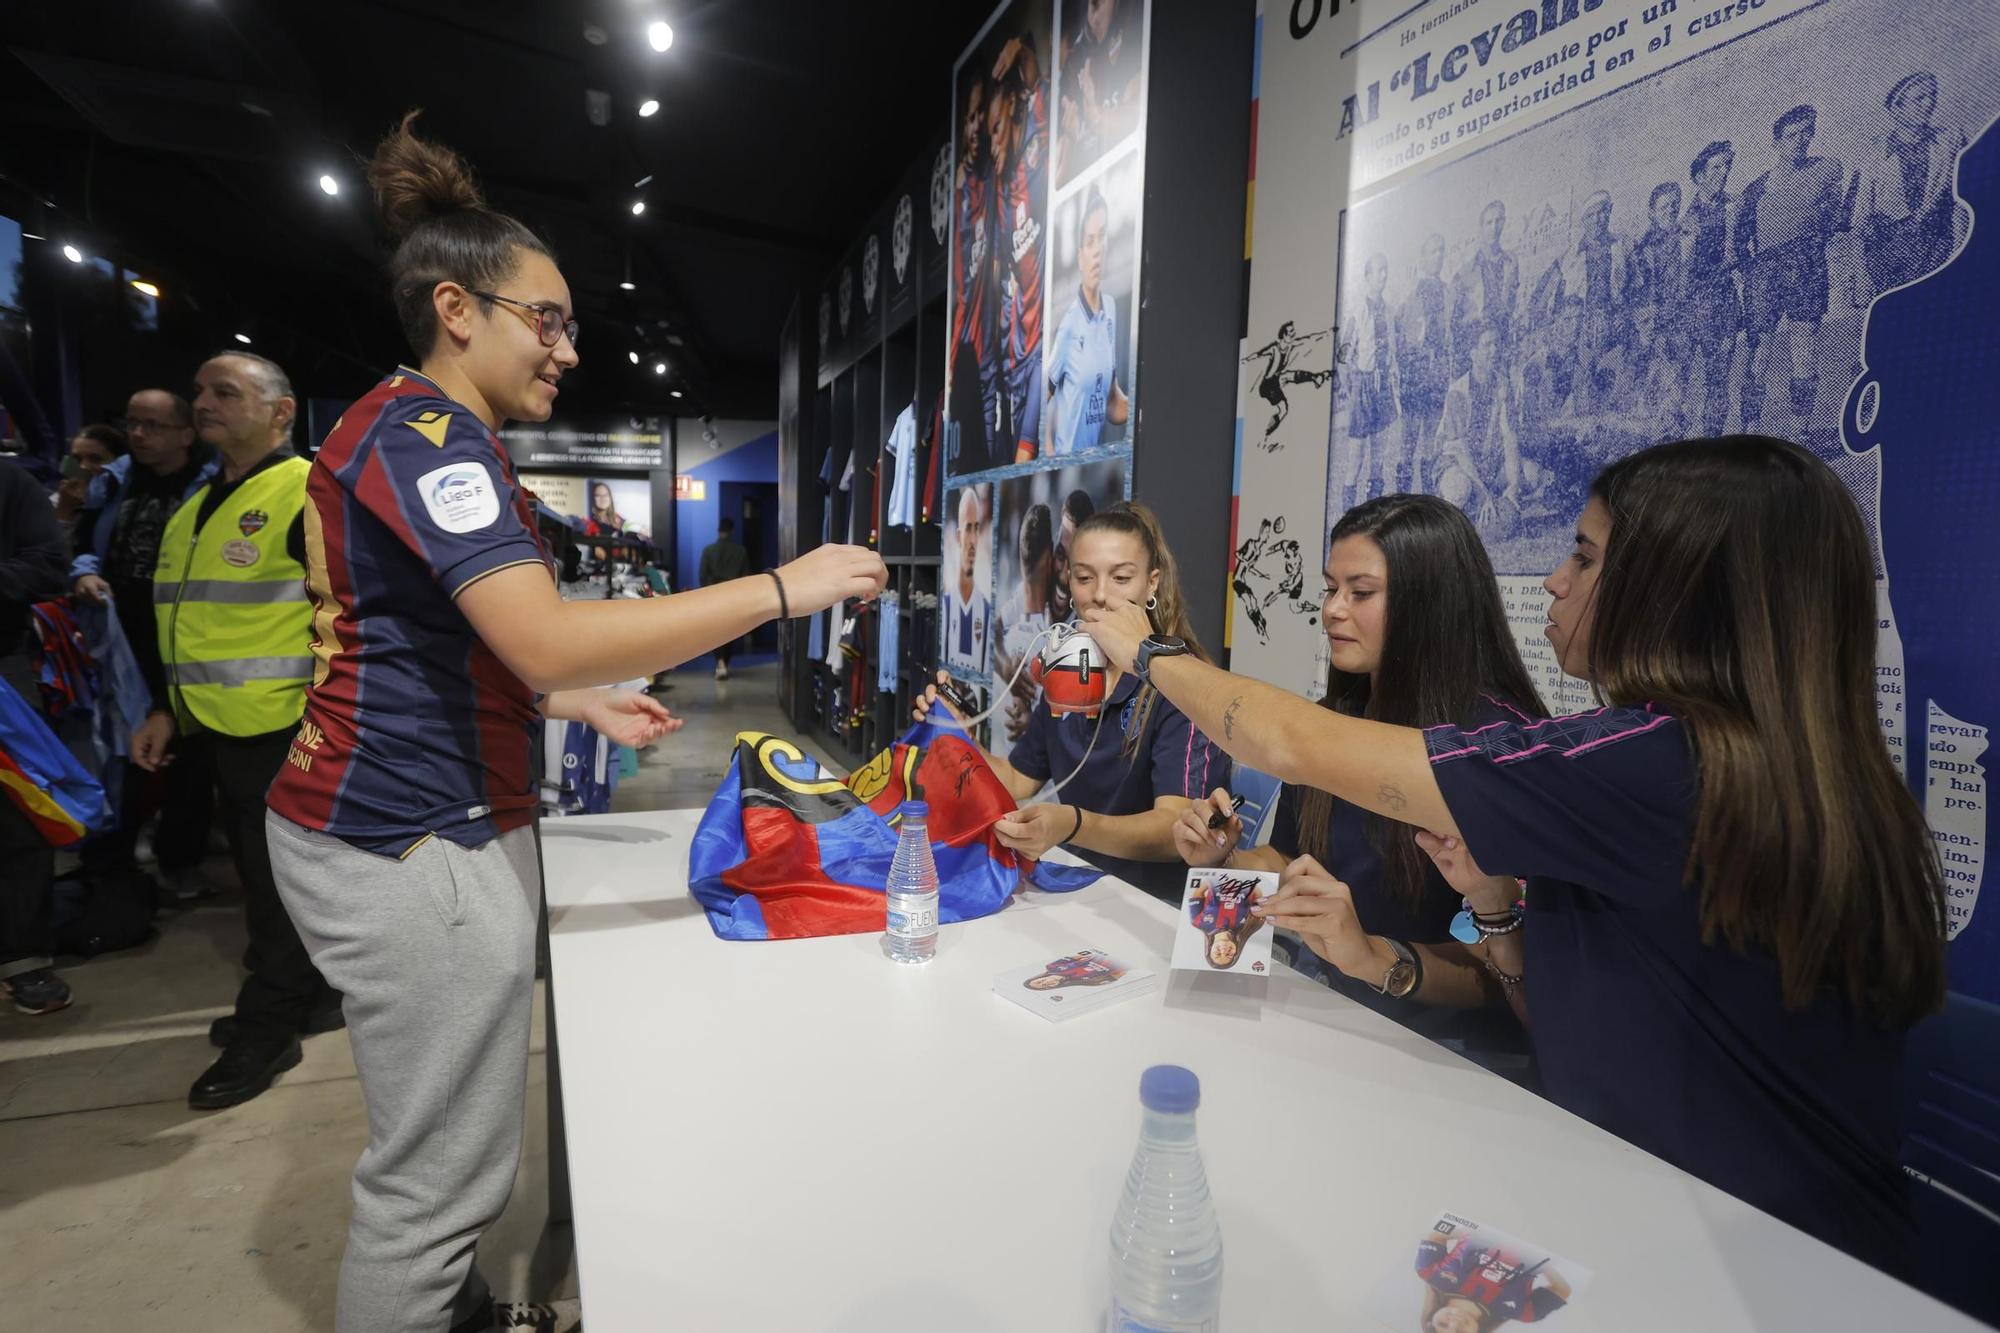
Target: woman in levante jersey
400 828
1734 910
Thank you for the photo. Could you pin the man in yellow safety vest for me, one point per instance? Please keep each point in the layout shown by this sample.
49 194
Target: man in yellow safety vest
234 627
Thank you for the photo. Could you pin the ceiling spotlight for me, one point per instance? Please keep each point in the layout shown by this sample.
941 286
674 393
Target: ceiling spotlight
140 285
634 356
638 207
72 254
628 286
243 338
659 34
329 185
649 106
673 393
659 367
643 182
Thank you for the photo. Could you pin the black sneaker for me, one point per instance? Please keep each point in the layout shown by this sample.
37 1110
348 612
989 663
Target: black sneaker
243 1071
223 1030
38 992
511 1316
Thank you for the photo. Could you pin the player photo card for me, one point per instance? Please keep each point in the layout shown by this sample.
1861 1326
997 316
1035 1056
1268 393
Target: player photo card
1462 1277
1074 983
966 595
1217 930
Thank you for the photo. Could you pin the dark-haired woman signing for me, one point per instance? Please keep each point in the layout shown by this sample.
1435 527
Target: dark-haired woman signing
399 830
1734 908
1417 636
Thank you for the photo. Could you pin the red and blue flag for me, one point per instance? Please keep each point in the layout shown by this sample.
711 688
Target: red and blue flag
40 777
785 853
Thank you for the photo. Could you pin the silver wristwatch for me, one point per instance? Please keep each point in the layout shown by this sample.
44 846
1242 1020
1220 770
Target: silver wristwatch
1403 974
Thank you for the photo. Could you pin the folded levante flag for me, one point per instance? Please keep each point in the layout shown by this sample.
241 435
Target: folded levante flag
783 853
40 777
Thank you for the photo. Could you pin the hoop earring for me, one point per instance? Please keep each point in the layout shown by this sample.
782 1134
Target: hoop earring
1152 603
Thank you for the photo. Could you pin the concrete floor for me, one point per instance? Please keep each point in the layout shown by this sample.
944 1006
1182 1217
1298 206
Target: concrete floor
121 1208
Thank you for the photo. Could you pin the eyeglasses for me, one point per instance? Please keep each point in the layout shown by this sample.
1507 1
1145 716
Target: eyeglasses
548 322
134 425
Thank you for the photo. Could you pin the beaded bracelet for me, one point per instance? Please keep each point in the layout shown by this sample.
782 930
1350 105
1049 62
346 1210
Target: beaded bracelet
1509 981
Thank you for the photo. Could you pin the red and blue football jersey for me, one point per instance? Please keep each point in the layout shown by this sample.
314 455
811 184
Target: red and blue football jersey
1498 1280
1082 967
1224 905
412 726
972 270
1018 211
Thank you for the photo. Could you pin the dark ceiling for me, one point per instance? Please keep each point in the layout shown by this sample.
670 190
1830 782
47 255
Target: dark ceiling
188 136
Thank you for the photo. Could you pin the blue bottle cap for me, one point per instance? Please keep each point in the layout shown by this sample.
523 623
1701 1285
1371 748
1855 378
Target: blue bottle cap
916 809
1169 1089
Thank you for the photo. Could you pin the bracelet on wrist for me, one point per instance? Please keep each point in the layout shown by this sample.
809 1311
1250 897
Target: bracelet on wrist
1505 979
1078 828
784 606
1488 932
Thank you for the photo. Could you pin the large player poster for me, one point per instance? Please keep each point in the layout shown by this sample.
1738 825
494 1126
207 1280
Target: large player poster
1045 228
1545 235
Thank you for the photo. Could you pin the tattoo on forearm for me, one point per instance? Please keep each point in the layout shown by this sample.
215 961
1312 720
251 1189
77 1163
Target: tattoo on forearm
1392 796
1229 718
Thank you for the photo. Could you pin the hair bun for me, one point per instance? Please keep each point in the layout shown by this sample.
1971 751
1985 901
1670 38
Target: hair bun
415 179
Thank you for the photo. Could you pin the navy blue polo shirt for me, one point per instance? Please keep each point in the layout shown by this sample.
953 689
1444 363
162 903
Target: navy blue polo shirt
1355 859
1171 758
1682 1048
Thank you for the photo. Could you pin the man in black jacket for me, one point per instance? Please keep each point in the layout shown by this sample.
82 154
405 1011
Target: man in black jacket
34 567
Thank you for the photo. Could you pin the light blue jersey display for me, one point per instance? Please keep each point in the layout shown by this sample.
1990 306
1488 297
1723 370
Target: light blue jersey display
1082 364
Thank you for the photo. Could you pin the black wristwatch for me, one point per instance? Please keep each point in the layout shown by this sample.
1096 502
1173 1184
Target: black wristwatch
1156 645
1404 975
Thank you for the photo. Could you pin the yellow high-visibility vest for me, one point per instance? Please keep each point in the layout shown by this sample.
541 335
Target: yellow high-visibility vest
230 605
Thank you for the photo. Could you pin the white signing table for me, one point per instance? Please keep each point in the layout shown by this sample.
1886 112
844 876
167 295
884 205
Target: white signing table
802 1135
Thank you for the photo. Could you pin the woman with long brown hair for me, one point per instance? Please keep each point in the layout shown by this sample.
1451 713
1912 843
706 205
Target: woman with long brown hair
1416 636
1734 911
1135 767
400 827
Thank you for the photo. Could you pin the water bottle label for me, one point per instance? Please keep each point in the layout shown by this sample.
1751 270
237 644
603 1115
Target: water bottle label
913 919
1123 1322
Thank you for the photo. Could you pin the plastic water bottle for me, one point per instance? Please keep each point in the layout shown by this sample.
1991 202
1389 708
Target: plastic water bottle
913 890
1166 1246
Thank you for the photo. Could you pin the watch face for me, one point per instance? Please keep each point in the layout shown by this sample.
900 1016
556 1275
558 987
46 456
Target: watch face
1402 979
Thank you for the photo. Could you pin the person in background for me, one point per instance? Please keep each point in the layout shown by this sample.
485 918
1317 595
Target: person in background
32 559
1024 615
1423 358
1017 132
722 560
94 449
1082 365
234 629
1737 911
1139 763
1077 506
402 821
1907 206
1486 288
966 608
1788 215
1416 636
117 548
604 513
1712 314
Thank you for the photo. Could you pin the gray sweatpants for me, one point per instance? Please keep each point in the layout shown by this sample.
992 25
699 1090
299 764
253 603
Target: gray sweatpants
435 958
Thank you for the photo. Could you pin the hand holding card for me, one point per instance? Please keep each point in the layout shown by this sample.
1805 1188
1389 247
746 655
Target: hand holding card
1218 930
